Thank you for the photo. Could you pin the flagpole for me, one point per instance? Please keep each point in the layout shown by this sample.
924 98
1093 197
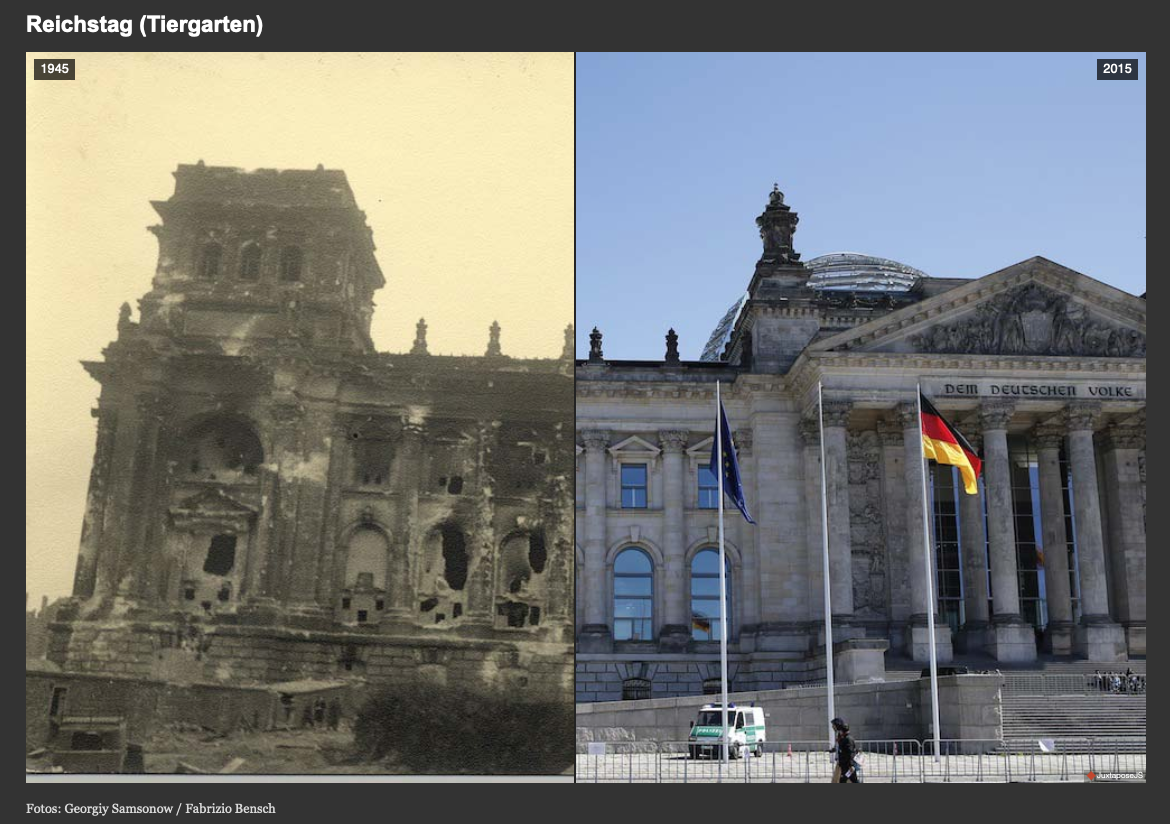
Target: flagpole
825 548
723 604
926 546
722 571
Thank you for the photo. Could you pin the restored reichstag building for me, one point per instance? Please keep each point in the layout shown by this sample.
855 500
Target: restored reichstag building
1041 367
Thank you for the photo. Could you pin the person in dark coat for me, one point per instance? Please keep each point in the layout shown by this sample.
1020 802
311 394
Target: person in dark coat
846 749
334 716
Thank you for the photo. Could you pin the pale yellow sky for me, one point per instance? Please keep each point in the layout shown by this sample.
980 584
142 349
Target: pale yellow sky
462 163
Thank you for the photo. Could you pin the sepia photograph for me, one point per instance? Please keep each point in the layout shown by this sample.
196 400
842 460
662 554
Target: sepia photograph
300 415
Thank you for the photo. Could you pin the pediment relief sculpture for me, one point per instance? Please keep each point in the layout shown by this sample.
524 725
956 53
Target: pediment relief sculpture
1032 320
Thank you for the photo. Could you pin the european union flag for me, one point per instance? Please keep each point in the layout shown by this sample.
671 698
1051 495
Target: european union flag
731 483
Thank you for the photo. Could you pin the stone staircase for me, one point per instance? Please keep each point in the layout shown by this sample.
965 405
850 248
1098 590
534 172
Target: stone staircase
1053 698
1103 717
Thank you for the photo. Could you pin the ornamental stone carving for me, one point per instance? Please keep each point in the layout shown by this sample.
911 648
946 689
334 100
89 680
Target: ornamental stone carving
810 431
1082 415
1032 320
595 439
672 440
743 439
996 414
907 415
889 432
1048 436
1123 437
836 413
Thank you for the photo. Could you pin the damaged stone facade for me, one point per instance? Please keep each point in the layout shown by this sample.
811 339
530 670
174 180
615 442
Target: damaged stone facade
272 499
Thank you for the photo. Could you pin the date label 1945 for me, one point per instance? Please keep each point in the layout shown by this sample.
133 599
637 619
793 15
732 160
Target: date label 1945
1117 69
54 68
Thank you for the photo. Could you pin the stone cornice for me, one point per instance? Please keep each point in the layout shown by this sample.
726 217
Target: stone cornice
811 366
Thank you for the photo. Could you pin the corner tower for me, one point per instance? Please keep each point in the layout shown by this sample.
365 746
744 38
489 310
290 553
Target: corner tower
260 256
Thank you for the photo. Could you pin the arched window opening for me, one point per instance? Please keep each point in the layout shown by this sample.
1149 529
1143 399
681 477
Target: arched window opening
521 582
366 560
223 450
705 625
633 596
291 263
209 259
250 262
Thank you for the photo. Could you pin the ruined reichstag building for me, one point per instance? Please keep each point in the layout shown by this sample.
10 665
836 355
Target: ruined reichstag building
272 499
1042 368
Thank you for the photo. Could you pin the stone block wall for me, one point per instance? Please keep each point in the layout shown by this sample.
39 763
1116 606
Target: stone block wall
895 710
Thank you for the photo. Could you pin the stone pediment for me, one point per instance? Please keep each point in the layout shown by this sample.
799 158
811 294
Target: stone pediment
703 448
1035 308
212 507
634 446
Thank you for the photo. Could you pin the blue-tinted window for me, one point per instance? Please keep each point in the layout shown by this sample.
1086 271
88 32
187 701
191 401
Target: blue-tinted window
705 625
633 596
634 486
708 489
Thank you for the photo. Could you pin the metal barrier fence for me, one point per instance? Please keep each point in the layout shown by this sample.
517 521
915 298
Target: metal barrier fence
885 761
1070 684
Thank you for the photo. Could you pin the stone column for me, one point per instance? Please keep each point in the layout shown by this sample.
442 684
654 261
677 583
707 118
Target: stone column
327 566
401 578
596 635
1098 637
1122 446
836 416
93 525
136 562
312 473
746 598
810 434
1054 538
287 420
1012 639
973 552
922 584
675 633
894 516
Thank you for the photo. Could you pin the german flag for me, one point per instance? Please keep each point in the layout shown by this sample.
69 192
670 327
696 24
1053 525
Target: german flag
942 443
701 622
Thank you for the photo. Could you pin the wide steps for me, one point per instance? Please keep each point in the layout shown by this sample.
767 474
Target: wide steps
1074 716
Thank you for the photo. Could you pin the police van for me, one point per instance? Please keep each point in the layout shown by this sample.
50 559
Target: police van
745 728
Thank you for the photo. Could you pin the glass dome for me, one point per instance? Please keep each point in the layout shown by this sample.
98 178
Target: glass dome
851 272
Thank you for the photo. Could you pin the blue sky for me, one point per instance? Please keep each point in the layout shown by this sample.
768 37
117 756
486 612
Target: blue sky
957 165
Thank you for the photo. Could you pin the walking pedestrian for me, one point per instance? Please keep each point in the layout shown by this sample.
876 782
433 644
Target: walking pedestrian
846 749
